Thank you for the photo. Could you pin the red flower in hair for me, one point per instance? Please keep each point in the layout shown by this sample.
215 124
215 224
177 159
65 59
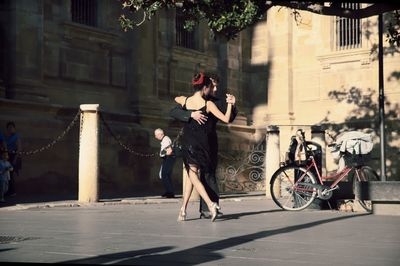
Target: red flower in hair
200 80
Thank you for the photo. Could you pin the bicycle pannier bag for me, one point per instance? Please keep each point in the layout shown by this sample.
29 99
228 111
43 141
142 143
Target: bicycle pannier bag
355 142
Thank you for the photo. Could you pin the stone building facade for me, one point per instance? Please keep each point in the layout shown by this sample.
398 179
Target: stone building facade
323 70
56 55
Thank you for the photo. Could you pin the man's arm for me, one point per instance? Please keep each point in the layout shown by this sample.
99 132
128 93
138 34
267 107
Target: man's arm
166 146
184 115
178 113
9 167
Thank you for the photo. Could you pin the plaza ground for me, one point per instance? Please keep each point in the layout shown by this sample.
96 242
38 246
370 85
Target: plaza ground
253 231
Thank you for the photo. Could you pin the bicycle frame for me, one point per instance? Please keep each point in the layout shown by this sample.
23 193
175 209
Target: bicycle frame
339 176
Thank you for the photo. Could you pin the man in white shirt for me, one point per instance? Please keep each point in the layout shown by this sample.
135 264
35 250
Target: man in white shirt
166 153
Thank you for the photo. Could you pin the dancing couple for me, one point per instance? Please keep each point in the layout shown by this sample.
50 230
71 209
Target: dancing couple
201 111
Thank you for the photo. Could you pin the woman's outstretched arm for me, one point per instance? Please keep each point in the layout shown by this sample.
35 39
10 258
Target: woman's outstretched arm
211 107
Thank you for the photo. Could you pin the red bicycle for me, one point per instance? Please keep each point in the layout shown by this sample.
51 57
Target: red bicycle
295 186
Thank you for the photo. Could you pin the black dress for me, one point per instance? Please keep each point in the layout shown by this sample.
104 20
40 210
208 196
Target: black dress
195 146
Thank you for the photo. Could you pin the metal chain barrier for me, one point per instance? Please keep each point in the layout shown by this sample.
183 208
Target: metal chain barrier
174 143
52 143
118 140
80 115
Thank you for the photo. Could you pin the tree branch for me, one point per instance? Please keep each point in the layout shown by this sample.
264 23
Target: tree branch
334 10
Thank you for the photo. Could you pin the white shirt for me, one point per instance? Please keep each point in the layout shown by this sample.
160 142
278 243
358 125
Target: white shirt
165 142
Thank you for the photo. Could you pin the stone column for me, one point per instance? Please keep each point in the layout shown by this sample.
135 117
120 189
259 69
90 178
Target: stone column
272 156
318 136
89 154
195 195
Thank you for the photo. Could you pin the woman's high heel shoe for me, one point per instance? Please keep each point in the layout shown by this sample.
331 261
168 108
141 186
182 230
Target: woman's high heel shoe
182 216
214 211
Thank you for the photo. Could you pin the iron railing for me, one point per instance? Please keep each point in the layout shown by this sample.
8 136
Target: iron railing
348 31
84 12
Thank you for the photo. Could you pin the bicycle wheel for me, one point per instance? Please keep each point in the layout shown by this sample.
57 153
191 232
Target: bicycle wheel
290 190
365 173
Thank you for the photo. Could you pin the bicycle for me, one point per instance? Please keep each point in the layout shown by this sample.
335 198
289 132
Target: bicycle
294 187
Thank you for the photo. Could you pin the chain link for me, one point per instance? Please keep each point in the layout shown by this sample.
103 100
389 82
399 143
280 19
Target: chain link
118 140
82 116
51 144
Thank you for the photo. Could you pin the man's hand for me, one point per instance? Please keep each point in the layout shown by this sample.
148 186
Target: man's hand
169 151
230 99
199 117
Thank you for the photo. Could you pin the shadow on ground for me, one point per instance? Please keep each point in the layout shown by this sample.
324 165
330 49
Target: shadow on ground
20 198
236 216
27 199
198 254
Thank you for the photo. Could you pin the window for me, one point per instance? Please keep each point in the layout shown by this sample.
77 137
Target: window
183 37
348 31
84 12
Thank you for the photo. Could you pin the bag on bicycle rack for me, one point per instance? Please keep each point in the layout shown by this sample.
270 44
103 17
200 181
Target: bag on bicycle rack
351 148
355 142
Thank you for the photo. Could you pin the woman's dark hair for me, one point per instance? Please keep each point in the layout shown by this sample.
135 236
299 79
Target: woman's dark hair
199 81
10 124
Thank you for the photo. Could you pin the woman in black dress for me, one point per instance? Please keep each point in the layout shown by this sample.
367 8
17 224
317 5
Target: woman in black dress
195 146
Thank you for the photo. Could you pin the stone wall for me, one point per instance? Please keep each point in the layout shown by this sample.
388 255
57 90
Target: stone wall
54 172
50 65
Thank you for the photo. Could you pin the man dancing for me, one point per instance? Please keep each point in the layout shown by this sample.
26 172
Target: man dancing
209 180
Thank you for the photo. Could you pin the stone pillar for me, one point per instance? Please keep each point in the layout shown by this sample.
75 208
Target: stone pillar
195 195
89 154
272 156
318 136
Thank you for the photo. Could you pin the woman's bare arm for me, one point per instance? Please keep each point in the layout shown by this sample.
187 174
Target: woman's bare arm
211 107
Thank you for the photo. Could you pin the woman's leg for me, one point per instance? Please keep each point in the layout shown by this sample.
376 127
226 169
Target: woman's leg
194 178
187 193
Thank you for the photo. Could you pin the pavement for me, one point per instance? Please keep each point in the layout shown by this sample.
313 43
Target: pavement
252 231
15 203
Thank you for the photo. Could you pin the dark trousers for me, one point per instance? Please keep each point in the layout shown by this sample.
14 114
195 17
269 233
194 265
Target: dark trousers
209 181
11 183
166 173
